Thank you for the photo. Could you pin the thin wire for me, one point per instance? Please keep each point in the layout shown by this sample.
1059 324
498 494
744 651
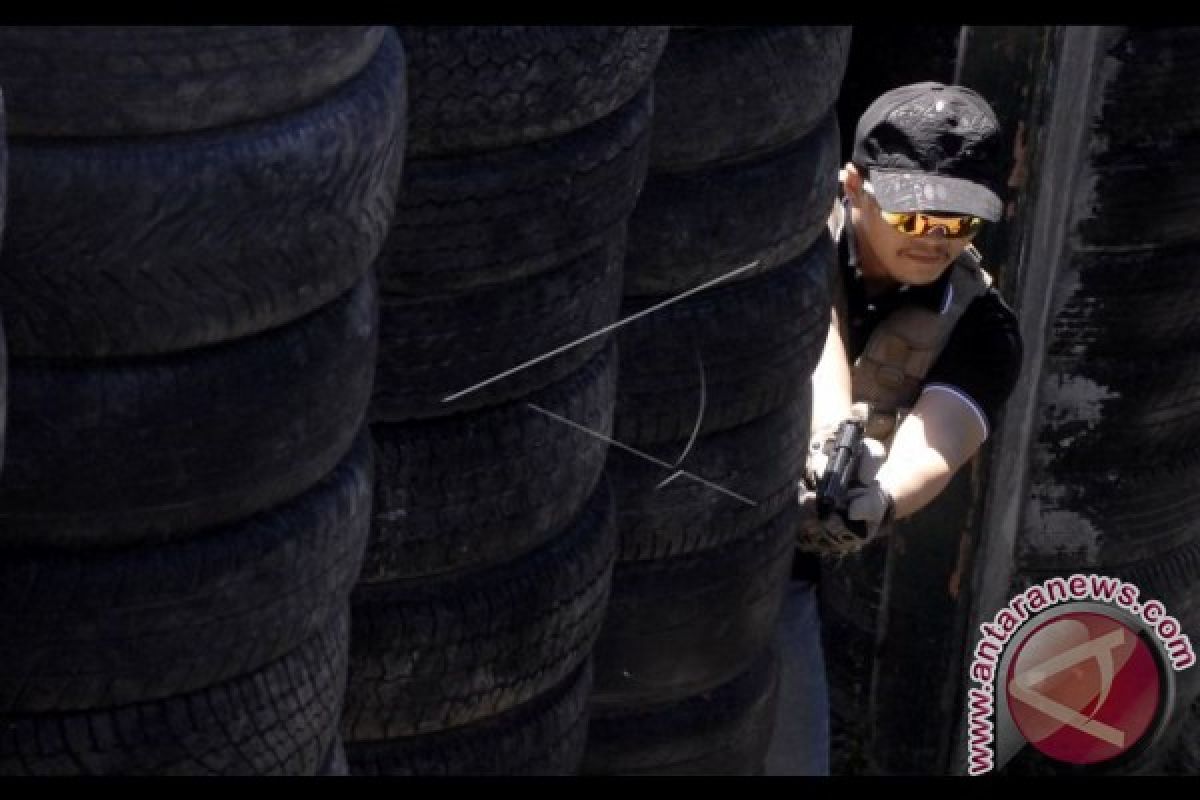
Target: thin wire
601 332
669 478
640 454
700 415
696 427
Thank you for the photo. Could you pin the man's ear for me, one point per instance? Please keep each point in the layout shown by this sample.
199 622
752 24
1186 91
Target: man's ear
852 181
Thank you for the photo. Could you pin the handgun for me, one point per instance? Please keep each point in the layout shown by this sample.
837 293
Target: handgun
840 470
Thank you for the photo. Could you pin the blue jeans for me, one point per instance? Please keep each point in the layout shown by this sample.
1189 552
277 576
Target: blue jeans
800 745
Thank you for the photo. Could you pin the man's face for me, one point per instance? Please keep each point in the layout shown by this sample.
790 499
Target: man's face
915 260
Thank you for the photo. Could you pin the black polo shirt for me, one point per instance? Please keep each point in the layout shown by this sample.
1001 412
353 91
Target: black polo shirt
980 362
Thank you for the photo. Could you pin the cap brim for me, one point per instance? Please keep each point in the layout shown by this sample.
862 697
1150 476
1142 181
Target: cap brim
906 190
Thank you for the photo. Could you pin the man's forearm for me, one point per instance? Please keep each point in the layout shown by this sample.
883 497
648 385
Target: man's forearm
831 386
935 439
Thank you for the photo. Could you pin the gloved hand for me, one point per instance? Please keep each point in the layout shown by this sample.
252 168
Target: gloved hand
870 504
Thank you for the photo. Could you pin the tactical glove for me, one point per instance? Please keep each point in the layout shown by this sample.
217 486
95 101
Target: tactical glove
870 504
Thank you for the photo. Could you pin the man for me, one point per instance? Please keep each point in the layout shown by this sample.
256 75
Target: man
920 347
916 332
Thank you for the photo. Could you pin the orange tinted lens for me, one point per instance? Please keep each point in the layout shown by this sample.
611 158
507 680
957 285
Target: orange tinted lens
957 227
917 224
905 222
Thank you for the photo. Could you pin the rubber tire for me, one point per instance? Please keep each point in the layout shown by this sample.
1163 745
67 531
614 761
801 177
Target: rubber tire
3 161
725 95
150 80
429 656
1130 302
335 764
487 87
692 227
109 628
726 731
483 488
758 341
465 222
545 736
1175 752
280 720
142 451
3 334
1184 756
1148 201
1136 413
156 245
1142 185
761 460
1154 73
434 346
1140 513
679 626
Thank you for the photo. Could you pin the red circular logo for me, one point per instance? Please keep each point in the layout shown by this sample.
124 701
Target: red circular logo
1083 688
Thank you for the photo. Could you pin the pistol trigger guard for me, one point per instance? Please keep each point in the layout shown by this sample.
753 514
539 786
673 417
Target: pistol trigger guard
857 527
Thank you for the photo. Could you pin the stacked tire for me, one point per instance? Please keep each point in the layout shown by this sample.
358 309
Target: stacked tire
192 218
743 170
3 347
1114 468
489 564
